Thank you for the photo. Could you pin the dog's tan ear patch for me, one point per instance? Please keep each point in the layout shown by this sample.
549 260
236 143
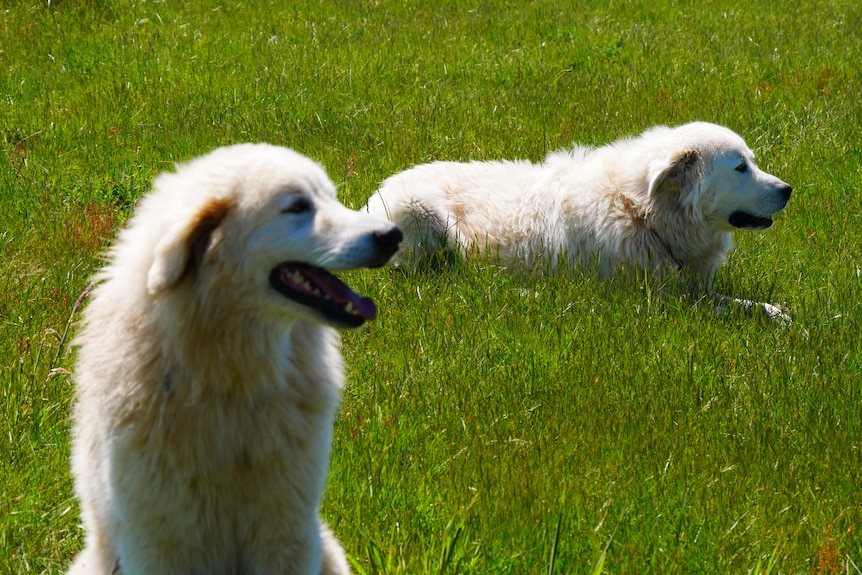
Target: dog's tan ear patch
182 249
680 172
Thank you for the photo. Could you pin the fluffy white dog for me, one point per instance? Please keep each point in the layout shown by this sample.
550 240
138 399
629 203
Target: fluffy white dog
208 377
669 198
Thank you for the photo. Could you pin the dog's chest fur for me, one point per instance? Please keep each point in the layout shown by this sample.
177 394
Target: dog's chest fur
218 458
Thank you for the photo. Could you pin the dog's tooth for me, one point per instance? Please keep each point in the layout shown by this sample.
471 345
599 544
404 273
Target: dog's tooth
350 308
302 282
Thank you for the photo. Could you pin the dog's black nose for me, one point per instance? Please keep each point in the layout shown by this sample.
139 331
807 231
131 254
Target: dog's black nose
786 190
387 242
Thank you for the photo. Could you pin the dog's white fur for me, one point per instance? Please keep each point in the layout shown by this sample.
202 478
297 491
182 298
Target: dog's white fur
668 198
206 398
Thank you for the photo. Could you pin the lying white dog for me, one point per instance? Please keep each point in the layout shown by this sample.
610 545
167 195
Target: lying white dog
669 198
207 378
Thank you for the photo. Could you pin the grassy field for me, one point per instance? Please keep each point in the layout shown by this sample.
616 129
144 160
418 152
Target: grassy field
494 422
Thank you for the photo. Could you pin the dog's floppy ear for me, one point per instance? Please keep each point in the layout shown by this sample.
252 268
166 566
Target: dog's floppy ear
182 248
679 172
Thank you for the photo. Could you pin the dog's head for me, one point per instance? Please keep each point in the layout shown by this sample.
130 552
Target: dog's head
259 228
711 171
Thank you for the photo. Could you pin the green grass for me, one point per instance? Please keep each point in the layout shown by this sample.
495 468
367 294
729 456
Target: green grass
494 422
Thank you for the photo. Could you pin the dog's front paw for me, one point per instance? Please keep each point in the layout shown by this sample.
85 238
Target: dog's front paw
773 312
777 313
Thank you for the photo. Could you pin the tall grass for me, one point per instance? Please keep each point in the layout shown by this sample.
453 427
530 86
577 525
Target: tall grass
494 421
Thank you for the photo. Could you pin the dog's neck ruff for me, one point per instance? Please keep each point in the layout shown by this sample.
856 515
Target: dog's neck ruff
677 263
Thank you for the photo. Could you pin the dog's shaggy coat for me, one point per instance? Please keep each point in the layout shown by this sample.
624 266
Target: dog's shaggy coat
669 198
207 377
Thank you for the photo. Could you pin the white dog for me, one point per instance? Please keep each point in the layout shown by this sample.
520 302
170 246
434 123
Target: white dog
669 198
207 376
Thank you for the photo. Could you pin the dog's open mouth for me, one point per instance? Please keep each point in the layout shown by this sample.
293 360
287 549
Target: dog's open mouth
318 289
746 221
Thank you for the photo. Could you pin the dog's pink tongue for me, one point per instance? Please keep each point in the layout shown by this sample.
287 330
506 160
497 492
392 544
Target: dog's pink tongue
338 291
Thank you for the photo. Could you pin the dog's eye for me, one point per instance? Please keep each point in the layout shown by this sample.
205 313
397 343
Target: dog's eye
742 168
297 206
